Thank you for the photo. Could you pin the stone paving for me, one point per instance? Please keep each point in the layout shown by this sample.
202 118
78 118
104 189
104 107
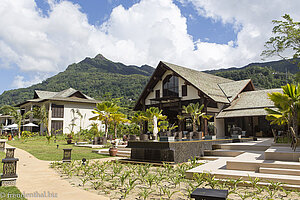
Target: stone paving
37 179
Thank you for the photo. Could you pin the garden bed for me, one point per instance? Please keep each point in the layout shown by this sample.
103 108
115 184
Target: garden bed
133 181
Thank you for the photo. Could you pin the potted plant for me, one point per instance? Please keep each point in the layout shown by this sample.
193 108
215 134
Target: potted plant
166 130
69 138
113 150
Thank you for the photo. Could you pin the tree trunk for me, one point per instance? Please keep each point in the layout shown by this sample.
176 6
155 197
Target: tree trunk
115 127
141 128
19 133
106 128
295 121
194 126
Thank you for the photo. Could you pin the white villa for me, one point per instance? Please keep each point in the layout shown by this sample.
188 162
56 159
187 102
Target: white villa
62 107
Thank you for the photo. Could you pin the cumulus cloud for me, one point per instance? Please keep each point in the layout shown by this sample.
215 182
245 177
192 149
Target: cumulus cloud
149 31
19 81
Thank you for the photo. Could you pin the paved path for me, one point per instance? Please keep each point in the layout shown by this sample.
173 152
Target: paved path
35 176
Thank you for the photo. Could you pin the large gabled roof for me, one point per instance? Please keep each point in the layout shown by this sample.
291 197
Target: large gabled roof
207 83
214 87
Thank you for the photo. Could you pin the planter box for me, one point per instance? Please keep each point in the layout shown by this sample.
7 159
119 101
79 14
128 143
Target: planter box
166 139
132 137
144 137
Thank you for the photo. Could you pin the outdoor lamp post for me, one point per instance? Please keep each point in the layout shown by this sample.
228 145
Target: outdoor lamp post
2 145
83 161
67 155
9 176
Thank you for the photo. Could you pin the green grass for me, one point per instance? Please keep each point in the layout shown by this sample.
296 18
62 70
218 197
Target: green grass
39 147
2 155
10 193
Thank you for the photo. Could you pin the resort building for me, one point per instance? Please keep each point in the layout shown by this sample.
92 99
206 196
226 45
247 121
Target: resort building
68 110
230 103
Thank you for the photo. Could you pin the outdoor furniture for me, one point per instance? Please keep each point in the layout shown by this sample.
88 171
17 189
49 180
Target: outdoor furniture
209 194
295 139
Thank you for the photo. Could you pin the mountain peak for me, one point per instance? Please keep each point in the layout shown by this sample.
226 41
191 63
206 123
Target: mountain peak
100 57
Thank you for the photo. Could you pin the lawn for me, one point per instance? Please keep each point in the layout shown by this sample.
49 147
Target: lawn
2 155
39 147
10 193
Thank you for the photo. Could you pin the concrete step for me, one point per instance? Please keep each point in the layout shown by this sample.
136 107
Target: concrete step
255 165
207 158
266 170
283 153
236 174
241 146
222 152
119 153
124 149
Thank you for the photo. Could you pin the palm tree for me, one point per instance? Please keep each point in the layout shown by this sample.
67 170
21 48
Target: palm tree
16 114
288 105
139 118
103 112
41 113
153 114
195 112
116 119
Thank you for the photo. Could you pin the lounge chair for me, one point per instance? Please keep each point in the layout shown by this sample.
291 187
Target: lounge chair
295 139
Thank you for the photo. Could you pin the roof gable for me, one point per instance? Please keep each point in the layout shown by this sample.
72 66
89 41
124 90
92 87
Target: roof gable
233 88
207 83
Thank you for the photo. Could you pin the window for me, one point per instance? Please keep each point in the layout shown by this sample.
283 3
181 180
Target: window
170 86
157 94
57 111
184 90
56 127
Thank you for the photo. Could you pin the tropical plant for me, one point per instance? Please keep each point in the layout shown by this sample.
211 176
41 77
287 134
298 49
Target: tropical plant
103 113
16 114
153 114
288 105
116 119
139 118
286 38
195 112
41 113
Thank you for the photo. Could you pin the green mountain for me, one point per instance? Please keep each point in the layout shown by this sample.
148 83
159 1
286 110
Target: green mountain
99 76
264 75
93 76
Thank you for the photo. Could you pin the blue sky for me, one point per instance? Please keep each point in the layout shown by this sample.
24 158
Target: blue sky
41 38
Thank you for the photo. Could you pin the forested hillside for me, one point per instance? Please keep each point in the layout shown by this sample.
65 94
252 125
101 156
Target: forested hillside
94 77
98 76
264 75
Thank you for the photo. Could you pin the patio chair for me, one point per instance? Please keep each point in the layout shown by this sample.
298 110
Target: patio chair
295 139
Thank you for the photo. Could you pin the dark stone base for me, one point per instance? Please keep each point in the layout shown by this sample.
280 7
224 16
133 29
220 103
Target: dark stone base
177 152
8 182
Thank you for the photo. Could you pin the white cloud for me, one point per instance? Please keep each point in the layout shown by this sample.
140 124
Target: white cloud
147 32
19 81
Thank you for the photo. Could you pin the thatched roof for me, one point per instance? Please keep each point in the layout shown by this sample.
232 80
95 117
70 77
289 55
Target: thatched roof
216 88
250 103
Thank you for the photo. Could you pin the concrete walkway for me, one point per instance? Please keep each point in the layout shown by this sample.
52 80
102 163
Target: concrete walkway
36 177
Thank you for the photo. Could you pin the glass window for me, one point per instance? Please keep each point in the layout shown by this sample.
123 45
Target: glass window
184 90
170 86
